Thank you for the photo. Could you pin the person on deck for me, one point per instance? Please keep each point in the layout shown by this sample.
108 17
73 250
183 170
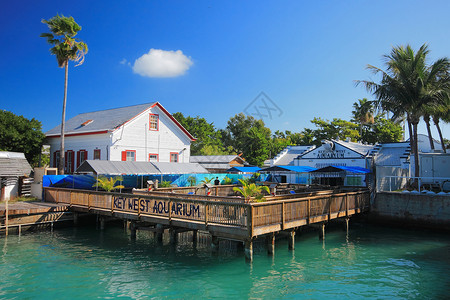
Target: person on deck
217 181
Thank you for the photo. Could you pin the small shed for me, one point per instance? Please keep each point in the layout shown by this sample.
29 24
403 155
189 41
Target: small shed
340 175
218 163
14 167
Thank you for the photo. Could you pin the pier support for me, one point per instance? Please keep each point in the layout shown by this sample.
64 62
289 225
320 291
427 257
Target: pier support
194 237
173 235
291 240
346 225
75 219
102 223
159 232
249 250
270 239
133 229
321 231
214 243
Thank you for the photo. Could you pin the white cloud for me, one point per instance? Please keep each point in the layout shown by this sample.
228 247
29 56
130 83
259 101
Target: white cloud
161 63
124 62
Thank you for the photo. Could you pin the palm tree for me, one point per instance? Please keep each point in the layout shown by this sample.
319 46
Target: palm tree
108 184
249 190
363 113
65 47
442 113
408 86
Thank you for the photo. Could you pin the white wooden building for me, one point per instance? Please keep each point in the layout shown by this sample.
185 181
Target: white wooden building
145 132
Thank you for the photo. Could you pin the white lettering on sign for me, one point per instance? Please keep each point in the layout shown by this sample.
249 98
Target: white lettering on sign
331 154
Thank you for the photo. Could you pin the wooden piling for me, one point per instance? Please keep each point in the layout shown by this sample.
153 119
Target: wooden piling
291 240
159 232
270 239
249 250
173 235
322 231
214 243
102 223
133 229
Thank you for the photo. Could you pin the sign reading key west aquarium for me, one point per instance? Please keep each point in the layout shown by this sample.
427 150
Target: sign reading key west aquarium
159 207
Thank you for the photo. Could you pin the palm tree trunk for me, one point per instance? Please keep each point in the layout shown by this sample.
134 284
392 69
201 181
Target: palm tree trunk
426 118
416 151
63 122
436 122
411 138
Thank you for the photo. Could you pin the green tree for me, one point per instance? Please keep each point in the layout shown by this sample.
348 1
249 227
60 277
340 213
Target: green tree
336 129
19 134
246 135
409 86
65 47
382 131
108 184
208 141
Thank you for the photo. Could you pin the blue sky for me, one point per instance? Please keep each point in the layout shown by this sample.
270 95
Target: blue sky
304 55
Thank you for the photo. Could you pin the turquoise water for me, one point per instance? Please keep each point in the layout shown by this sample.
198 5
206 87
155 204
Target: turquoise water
372 262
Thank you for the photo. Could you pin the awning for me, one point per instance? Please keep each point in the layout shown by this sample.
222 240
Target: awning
107 167
296 169
244 169
329 169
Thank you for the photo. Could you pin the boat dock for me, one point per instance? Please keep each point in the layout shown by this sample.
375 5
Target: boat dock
223 217
22 214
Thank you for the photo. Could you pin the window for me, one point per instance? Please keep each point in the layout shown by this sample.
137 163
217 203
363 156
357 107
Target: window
55 159
81 156
96 153
69 161
152 157
154 122
129 155
173 157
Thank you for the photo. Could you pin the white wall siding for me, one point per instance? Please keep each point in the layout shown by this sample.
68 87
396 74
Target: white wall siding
137 136
81 142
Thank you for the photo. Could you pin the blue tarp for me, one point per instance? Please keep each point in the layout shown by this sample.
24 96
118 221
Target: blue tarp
244 169
356 170
297 169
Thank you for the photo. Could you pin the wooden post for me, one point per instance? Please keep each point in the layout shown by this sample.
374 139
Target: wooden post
309 211
346 225
346 205
75 219
292 240
249 250
206 214
322 231
271 244
250 220
214 243
6 219
133 229
194 237
173 236
159 232
282 215
102 223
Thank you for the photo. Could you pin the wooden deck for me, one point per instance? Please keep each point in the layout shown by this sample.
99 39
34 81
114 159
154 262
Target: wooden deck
32 214
223 217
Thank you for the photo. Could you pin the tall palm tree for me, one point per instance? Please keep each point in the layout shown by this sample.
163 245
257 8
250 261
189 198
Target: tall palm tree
408 86
441 113
65 47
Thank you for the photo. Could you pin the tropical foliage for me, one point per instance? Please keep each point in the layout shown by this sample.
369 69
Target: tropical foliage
227 180
66 48
251 190
409 86
19 134
108 184
165 184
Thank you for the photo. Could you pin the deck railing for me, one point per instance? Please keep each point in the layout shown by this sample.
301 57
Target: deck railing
252 218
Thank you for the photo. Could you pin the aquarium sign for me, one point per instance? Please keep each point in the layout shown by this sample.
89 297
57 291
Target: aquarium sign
331 154
159 207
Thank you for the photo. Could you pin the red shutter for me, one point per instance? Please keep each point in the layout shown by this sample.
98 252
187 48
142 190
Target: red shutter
85 154
73 162
124 155
65 163
78 158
